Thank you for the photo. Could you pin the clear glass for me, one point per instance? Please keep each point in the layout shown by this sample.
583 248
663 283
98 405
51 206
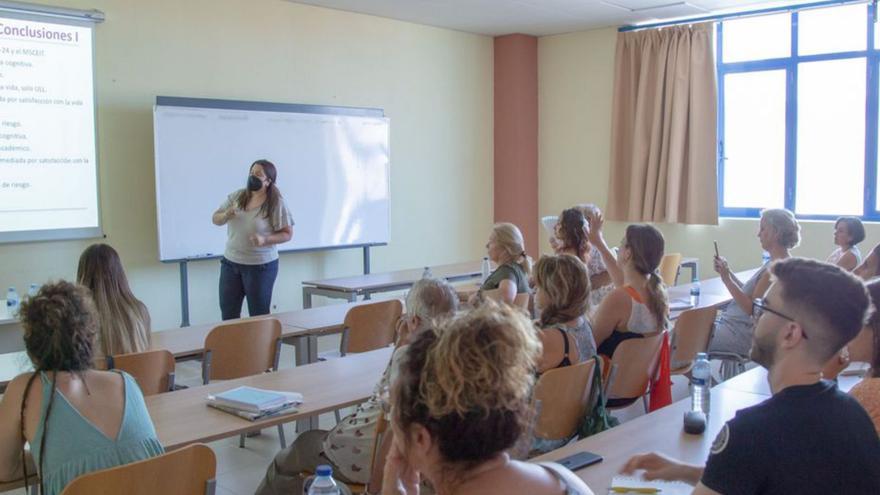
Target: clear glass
754 139
832 30
756 38
831 137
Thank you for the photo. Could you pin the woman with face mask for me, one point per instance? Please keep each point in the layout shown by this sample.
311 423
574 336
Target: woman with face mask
256 219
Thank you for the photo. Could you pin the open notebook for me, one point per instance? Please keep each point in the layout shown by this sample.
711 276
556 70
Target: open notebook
640 486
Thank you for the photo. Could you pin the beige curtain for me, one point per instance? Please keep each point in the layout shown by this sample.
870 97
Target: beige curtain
663 138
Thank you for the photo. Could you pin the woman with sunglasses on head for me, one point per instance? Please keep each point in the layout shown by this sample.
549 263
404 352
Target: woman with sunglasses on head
257 220
778 232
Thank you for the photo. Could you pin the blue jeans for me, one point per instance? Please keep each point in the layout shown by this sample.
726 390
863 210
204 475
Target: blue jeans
253 281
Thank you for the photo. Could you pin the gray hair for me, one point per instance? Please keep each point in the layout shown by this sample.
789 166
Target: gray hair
431 299
786 226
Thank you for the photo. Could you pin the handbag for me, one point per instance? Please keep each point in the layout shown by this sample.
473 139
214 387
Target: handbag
597 419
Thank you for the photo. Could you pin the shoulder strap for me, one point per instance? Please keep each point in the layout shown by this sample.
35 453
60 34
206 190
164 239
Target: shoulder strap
633 293
564 342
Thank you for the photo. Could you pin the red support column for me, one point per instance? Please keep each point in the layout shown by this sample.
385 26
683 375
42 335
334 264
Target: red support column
516 135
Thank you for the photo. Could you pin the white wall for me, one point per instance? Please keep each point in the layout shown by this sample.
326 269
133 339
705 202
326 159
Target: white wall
434 84
575 80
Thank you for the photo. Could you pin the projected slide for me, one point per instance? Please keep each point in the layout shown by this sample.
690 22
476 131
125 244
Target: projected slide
47 131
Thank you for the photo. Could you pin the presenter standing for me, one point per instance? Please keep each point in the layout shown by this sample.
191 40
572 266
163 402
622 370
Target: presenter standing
256 219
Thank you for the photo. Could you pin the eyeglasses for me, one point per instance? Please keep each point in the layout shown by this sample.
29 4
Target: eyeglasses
759 306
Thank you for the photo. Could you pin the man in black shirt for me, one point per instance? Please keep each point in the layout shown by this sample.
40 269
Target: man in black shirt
809 438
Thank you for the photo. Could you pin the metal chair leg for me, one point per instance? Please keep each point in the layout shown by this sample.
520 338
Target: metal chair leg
281 437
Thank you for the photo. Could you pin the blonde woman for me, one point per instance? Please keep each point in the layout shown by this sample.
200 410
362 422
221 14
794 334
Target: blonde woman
562 294
506 248
459 405
778 232
123 320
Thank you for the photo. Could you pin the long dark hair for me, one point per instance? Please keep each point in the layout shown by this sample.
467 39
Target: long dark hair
273 195
123 320
572 233
59 330
646 244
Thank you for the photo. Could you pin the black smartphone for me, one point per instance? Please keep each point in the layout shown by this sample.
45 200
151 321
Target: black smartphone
716 249
580 460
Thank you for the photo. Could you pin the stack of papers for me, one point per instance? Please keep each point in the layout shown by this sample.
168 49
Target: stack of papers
632 484
253 403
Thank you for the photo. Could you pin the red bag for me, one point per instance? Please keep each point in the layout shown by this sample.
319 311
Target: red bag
661 387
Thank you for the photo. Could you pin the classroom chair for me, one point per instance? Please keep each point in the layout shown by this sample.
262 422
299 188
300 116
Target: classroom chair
669 266
152 370
732 364
564 396
187 471
370 326
632 368
243 348
690 336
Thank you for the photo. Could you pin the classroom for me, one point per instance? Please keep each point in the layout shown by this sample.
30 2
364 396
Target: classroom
448 157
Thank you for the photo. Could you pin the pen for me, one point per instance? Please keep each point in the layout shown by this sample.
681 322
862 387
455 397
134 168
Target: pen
624 489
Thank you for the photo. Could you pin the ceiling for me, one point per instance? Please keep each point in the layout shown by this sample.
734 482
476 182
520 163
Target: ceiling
539 17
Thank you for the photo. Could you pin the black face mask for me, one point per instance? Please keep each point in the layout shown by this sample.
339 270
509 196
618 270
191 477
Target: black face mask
254 183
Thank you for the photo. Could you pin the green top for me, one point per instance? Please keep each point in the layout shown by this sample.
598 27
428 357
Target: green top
508 271
75 446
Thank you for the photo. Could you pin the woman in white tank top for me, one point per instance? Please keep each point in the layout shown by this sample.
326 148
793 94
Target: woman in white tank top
848 232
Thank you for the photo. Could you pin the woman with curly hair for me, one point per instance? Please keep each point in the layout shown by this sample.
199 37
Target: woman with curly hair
76 419
462 400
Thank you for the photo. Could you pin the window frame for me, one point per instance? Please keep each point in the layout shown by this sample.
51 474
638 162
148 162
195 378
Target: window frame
790 64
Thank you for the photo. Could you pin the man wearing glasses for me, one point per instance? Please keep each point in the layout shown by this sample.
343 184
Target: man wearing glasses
809 438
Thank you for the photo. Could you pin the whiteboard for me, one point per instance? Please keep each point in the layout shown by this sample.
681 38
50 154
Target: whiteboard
333 171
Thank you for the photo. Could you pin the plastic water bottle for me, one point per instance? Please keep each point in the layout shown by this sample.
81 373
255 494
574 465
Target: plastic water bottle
426 273
765 258
701 376
322 482
33 289
695 293
12 301
486 269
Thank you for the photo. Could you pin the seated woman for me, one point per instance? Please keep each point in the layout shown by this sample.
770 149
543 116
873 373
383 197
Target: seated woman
75 419
571 236
867 391
348 448
638 306
454 425
123 320
562 292
778 232
848 232
506 248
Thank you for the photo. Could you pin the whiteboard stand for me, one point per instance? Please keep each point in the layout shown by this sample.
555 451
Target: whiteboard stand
184 285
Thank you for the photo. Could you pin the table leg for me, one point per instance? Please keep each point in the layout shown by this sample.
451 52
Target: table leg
302 350
307 297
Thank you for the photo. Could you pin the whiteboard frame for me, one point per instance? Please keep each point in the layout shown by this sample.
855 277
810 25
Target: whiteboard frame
187 102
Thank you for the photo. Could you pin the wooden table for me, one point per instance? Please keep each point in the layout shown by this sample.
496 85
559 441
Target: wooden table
182 417
349 288
660 431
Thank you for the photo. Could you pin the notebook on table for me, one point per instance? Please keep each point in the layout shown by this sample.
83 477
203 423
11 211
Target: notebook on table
254 400
635 485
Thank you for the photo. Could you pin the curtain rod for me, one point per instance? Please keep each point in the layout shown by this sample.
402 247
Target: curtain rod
747 13
50 11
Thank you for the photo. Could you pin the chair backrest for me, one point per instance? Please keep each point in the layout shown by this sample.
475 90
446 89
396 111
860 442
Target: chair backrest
187 471
690 336
243 348
634 363
370 326
669 268
152 370
861 348
564 394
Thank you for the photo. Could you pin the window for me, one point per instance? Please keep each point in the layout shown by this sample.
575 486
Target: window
798 97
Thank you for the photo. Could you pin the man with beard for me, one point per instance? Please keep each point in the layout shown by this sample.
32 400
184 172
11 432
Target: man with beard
809 438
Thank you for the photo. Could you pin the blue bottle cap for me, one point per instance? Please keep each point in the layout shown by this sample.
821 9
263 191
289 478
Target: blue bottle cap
324 470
